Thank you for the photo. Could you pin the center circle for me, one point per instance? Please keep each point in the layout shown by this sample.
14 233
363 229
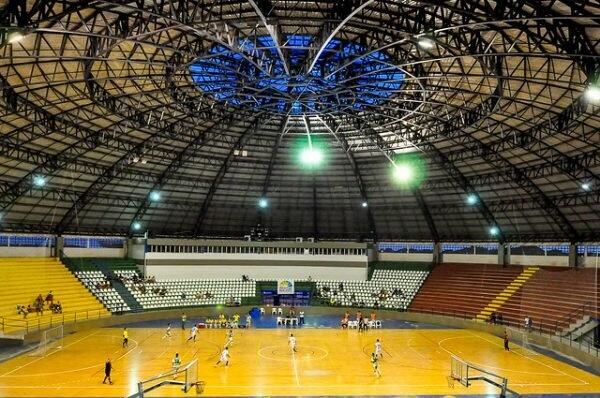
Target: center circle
253 74
283 353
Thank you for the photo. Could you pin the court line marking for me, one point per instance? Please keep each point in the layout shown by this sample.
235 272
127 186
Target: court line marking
83 368
262 386
295 368
45 356
534 360
483 365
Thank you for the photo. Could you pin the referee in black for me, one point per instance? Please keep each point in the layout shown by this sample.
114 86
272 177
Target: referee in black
107 370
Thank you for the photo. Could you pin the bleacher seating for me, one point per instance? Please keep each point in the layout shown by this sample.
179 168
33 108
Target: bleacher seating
554 297
367 293
462 289
109 296
24 278
189 292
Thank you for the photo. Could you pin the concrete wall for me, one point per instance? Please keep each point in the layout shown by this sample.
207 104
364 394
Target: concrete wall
470 258
590 261
428 257
256 266
559 261
82 252
26 252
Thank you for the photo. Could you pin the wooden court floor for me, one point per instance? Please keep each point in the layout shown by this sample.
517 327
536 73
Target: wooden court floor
328 362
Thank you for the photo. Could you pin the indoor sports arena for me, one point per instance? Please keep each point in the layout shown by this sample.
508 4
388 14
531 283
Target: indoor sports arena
277 198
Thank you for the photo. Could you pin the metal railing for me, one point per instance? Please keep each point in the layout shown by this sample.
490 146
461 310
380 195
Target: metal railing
33 323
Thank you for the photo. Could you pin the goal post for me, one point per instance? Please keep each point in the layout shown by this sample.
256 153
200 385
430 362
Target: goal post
186 377
51 339
465 373
520 338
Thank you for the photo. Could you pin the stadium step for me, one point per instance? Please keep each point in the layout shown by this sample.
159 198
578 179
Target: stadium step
495 304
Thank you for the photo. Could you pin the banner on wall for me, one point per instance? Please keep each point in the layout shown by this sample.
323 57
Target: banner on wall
285 286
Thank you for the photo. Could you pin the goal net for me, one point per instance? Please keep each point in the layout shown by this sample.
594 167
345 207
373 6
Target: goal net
51 339
186 377
465 373
520 341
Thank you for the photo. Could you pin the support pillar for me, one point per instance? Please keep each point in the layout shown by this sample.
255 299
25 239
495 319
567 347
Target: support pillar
60 244
438 258
503 254
572 255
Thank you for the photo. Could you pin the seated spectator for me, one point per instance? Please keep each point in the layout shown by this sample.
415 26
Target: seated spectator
183 296
163 291
499 319
49 298
341 286
30 309
57 308
21 310
493 317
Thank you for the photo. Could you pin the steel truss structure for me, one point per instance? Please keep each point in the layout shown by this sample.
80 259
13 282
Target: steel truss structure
104 103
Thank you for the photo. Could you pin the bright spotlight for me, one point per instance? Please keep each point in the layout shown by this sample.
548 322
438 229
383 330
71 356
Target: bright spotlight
586 186
426 43
364 204
136 226
39 181
403 173
311 156
263 203
472 199
494 231
593 93
15 37
155 196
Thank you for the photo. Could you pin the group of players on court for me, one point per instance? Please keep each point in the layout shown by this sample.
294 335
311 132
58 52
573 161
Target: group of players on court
225 355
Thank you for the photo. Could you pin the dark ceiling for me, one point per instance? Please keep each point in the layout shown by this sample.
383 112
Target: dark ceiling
205 103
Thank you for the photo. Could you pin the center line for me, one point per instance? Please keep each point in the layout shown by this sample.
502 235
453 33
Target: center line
295 368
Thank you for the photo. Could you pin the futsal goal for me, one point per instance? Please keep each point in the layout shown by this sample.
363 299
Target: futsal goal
186 377
51 339
521 338
465 372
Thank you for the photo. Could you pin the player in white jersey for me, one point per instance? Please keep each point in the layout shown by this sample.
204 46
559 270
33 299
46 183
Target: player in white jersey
375 363
378 349
193 333
229 341
167 332
176 363
292 342
224 357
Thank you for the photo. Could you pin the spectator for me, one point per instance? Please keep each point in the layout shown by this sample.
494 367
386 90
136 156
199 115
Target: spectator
301 320
493 317
341 286
373 315
499 318
49 298
528 322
